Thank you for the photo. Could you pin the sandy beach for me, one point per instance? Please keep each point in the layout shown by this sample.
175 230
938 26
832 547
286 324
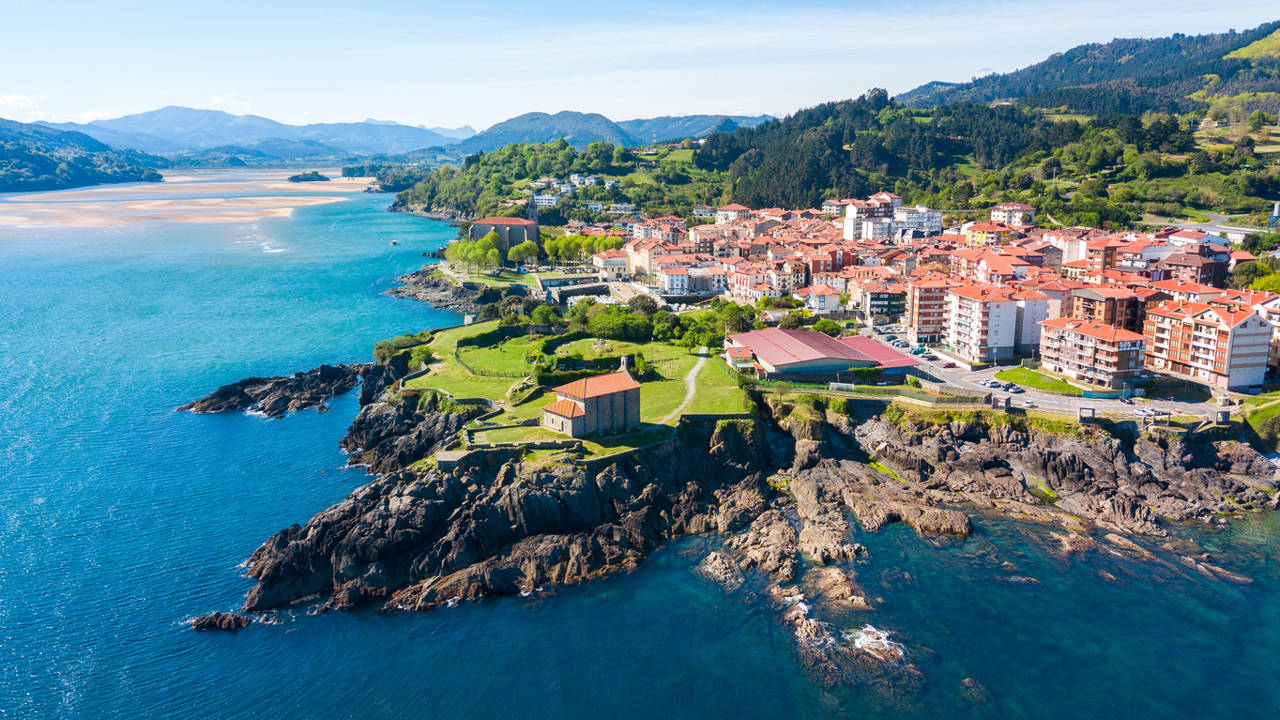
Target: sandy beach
192 196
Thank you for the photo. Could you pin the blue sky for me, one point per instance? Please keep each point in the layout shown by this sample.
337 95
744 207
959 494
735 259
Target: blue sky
480 62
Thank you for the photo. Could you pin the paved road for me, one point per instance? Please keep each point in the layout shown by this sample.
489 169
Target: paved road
690 387
1053 402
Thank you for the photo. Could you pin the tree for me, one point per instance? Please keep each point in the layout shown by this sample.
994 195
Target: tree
545 315
827 326
1270 283
643 304
493 258
1256 120
1246 273
793 320
620 326
523 253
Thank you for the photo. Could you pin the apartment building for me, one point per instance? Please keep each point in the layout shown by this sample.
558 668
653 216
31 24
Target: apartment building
988 233
1222 346
1091 352
1013 214
926 310
1108 305
986 323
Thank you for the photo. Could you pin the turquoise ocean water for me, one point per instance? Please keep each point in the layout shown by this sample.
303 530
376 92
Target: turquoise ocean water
120 519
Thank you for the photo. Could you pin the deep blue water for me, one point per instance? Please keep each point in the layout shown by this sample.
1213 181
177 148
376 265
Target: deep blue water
121 519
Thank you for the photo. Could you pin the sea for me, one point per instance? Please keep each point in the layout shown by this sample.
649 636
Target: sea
121 519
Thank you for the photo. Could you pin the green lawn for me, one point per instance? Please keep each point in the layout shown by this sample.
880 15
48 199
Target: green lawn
454 379
659 397
592 348
1177 389
1038 381
506 357
682 155
505 278
717 392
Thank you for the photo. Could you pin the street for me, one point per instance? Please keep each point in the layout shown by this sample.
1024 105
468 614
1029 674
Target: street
1050 402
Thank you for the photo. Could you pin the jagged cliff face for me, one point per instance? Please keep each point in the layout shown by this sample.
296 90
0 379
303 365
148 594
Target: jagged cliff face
789 493
1127 484
420 536
416 538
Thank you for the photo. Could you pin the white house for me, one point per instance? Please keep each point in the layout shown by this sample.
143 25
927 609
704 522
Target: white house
673 281
822 299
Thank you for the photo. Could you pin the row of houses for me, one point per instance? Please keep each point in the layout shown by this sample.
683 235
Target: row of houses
988 290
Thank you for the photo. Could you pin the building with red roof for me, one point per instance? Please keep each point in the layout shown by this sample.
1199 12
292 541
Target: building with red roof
885 356
1092 352
1222 346
791 352
597 405
510 231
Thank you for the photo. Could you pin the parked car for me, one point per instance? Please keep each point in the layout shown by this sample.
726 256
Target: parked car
1009 386
930 356
1015 390
949 365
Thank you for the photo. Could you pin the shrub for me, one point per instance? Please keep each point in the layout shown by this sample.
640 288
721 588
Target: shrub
384 350
420 356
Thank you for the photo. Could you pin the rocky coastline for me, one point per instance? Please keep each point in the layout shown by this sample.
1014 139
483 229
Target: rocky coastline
446 214
428 286
276 396
785 497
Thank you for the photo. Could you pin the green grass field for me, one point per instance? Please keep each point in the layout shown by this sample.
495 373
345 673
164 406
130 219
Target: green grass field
454 379
1027 377
505 358
505 278
715 391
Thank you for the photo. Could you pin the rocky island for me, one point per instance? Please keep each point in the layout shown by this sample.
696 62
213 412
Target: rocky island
309 176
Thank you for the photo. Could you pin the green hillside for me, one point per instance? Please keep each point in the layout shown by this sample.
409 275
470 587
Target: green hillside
1267 47
35 157
1133 75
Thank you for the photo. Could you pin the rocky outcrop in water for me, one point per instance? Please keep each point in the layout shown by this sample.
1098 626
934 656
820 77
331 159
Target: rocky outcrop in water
224 621
392 433
440 292
275 396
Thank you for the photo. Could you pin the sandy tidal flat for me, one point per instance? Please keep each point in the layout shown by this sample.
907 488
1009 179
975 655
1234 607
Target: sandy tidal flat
198 197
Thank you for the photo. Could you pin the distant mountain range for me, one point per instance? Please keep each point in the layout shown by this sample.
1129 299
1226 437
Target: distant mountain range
211 137
1131 76
580 128
179 130
35 157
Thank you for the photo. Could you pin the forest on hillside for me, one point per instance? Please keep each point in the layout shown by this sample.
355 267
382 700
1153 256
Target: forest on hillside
1117 168
1179 73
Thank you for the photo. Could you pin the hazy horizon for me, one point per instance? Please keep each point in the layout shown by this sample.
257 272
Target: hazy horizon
445 67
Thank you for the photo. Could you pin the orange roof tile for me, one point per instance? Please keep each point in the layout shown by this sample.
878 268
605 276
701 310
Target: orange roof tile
599 385
565 408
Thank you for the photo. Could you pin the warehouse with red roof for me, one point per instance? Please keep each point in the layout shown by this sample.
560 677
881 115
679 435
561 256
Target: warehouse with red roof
783 352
